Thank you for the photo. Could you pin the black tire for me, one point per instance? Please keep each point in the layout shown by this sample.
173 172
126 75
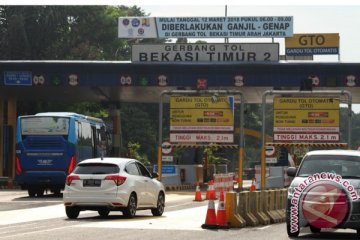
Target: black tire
40 192
314 229
72 212
160 205
56 191
130 210
358 233
103 213
32 192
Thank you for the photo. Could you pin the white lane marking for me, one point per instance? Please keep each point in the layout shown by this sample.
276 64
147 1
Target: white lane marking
180 219
32 214
186 219
262 228
32 232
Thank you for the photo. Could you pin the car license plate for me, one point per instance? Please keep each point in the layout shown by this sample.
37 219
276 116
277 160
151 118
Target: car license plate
91 182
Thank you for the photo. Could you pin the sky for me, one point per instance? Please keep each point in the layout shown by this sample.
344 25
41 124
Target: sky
309 16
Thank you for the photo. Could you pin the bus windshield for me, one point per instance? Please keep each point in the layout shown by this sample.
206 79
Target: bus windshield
44 126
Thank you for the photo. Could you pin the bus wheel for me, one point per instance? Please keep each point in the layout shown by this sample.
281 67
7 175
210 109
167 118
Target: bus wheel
40 192
31 192
56 191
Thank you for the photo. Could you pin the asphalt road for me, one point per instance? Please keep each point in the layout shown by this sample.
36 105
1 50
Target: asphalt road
25 218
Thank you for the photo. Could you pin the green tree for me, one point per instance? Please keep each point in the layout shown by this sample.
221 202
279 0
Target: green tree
134 153
213 158
64 32
140 125
86 108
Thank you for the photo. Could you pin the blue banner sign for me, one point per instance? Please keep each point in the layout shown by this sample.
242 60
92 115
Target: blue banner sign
166 169
18 78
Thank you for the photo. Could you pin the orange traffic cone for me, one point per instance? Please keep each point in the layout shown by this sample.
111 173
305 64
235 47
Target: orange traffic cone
210 194
198 193
210 221
221 213
253 187
208 191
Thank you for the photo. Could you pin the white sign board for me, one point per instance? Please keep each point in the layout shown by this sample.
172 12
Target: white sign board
271 160
201 137
312 137
167 158
206 27
230 52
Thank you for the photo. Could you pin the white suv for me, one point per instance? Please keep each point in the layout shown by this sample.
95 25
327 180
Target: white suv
112 184
325 192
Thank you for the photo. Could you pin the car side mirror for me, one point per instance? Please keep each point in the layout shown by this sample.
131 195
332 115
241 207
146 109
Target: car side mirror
291 171
154 175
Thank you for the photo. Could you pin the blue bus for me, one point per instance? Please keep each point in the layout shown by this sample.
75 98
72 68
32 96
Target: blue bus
49 145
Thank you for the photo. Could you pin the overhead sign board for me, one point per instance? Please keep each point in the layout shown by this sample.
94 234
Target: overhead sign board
195 119
312 44
307 119
189 113
230 52
206 27
20 78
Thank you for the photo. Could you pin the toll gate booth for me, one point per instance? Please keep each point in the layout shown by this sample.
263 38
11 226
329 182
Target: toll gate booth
115 82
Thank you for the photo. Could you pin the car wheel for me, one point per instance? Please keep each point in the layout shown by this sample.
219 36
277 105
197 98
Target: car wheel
31 192
72 212
130 210
314 229
104 213
160 205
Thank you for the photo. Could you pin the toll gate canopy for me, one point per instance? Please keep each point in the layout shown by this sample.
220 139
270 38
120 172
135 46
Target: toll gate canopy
143 82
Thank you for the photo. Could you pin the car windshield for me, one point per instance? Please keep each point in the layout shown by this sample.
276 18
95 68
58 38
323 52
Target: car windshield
96 168
346 166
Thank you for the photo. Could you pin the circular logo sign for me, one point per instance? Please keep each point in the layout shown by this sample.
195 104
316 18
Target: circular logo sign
125 80
166 148
126 21
350 80
269 151
325 205
38 79
239 80
162 80
135 22
73 80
